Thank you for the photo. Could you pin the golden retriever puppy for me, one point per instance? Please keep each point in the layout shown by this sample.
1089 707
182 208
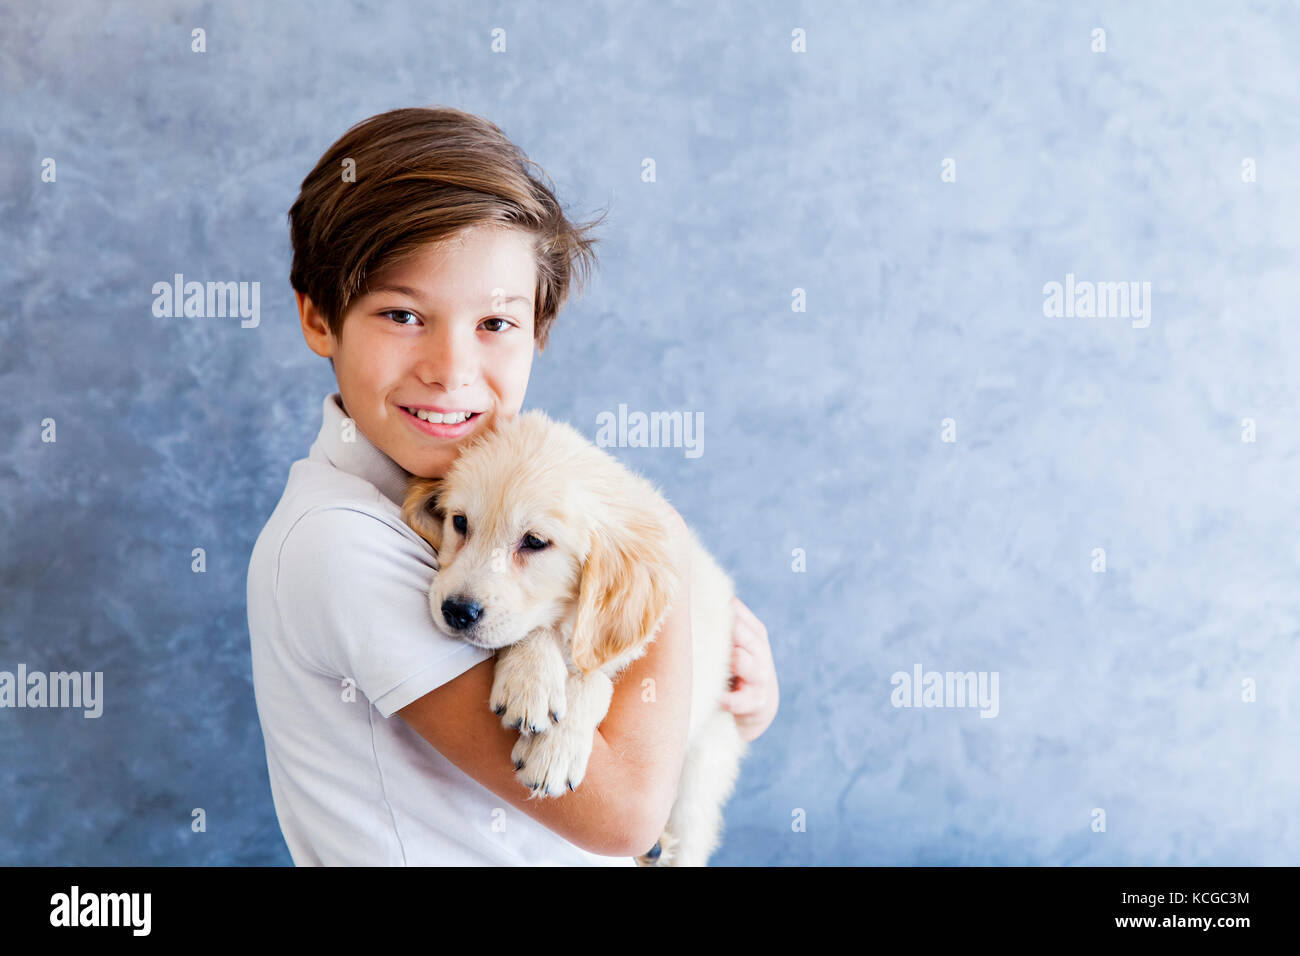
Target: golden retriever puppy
556 556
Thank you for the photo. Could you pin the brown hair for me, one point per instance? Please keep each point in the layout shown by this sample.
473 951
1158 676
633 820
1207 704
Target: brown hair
422 176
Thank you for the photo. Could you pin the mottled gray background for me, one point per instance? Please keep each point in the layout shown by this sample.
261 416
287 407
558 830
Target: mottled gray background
776 171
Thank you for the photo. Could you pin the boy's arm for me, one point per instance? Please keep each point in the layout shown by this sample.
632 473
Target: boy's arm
636 760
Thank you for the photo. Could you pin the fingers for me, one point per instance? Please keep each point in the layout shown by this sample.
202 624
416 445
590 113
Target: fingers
744 613
749 615
743 664
746 679
747 629
743 701
744 638
750 663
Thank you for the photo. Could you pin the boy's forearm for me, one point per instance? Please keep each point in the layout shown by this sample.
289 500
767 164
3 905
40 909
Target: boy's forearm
649 714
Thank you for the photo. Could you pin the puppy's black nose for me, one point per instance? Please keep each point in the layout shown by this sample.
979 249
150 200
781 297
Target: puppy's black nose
461 614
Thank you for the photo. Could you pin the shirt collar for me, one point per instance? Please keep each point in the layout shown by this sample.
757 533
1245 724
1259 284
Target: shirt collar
359 456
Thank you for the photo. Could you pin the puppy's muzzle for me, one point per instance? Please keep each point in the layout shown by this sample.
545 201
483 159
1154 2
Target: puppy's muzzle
460 614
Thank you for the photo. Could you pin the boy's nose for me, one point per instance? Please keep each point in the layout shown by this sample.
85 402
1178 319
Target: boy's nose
461 614
449 359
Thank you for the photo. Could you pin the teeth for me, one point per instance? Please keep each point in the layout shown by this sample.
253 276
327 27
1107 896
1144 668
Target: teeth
436 418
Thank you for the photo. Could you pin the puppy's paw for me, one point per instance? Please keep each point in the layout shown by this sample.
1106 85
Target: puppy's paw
528 692
554 763
530 707
663 853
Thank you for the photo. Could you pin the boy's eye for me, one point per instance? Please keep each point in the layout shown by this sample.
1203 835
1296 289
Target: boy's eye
459 523
502 325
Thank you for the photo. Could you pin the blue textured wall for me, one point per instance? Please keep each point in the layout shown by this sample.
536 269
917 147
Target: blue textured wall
776 170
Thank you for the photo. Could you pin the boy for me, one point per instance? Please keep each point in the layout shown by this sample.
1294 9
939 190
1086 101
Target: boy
427 265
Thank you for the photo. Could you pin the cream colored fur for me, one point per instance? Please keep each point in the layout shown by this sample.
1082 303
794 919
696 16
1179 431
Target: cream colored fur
566 619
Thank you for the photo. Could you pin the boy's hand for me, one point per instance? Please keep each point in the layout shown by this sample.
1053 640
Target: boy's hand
754 696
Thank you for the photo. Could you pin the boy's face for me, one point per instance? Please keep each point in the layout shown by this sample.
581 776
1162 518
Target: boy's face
438 331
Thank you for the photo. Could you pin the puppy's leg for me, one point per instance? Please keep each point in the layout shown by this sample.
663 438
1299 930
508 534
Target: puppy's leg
553 763
694 826
528 684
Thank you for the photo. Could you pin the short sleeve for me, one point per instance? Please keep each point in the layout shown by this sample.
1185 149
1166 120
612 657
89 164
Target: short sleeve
353 595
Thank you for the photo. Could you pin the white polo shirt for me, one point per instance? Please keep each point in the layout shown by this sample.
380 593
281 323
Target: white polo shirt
342 638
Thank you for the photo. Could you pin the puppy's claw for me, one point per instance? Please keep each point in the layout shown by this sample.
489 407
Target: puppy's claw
570 783
500 710
519 765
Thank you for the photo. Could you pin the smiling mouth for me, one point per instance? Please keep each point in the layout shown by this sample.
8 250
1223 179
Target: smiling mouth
444 430
438 418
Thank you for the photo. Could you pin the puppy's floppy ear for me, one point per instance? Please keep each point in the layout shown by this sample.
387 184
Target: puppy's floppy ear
420 509
627 583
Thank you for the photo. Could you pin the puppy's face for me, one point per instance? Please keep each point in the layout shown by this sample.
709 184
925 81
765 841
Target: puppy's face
508 560
527 538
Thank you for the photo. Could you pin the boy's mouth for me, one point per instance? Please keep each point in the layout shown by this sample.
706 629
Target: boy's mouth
449 425
439 418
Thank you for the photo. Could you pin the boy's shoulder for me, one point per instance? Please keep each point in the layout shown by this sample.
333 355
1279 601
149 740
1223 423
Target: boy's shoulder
314 493
345 494
316 486
315 483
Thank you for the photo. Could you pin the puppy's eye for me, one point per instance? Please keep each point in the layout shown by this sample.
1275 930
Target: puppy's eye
533 543
459 523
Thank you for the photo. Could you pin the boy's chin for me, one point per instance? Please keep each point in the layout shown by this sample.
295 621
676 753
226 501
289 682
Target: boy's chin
430 466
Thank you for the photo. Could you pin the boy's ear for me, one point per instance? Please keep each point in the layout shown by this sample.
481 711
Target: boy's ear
314 327
420 509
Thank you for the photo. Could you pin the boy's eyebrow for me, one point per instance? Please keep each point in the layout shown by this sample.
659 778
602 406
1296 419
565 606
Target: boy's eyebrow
414 294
